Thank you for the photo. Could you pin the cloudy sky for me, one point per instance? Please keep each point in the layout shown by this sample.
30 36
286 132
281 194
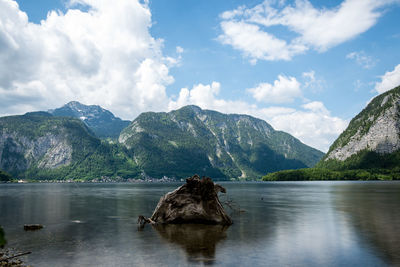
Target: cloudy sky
306 67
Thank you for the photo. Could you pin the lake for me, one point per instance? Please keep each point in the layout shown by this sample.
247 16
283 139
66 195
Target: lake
281 224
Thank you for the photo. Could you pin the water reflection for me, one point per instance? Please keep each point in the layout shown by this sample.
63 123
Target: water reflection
284 224
199 241
375 217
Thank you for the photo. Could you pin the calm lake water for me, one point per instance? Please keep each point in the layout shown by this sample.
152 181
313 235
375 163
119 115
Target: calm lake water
283 224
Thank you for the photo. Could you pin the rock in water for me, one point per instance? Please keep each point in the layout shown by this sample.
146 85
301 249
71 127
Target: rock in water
194 202
32 227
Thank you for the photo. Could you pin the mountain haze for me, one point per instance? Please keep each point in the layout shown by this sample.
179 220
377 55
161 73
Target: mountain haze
191 140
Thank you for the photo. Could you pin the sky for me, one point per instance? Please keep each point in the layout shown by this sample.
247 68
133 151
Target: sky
306 67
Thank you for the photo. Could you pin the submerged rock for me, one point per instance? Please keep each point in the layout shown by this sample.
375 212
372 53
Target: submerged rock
32 227
194 202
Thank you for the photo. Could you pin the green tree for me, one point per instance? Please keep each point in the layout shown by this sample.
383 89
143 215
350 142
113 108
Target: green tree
4 177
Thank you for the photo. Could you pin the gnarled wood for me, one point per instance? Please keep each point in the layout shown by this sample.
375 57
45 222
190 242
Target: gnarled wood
194 202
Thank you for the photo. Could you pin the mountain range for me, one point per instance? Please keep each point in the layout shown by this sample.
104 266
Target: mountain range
69 143
86 142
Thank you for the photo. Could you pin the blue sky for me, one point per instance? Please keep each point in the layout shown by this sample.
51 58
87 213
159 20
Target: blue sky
306 67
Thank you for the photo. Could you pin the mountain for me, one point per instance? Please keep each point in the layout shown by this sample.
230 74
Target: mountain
101 121
40 146
177 144
191 140
368 149
372 139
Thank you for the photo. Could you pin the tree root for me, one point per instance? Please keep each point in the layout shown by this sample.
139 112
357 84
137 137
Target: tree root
230 203
143 220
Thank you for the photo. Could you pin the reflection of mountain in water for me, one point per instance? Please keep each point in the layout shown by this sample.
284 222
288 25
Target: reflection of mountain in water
376 218
198 240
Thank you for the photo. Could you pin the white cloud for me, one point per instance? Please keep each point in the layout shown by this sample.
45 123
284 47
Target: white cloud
103 56
313 82
362 59
206 96
310 76
230 14
316 106
284 90
311 123
179 50
389 80
257 44
317 28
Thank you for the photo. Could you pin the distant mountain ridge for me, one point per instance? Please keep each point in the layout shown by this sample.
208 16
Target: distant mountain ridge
39 145
101 121
191 140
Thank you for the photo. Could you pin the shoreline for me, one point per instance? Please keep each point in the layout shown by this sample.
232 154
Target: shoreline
181 181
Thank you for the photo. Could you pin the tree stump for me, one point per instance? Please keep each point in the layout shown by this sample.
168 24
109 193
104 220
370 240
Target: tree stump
194 202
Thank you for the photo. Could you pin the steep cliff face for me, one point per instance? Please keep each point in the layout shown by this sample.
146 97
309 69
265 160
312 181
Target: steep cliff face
34 140
376 129
41 146
101 121
191 140
18 152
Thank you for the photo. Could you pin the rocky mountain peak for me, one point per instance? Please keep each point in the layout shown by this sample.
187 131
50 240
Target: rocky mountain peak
87 111
101 121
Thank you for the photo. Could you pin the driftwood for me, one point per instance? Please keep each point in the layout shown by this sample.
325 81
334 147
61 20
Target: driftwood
194 202
16 256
